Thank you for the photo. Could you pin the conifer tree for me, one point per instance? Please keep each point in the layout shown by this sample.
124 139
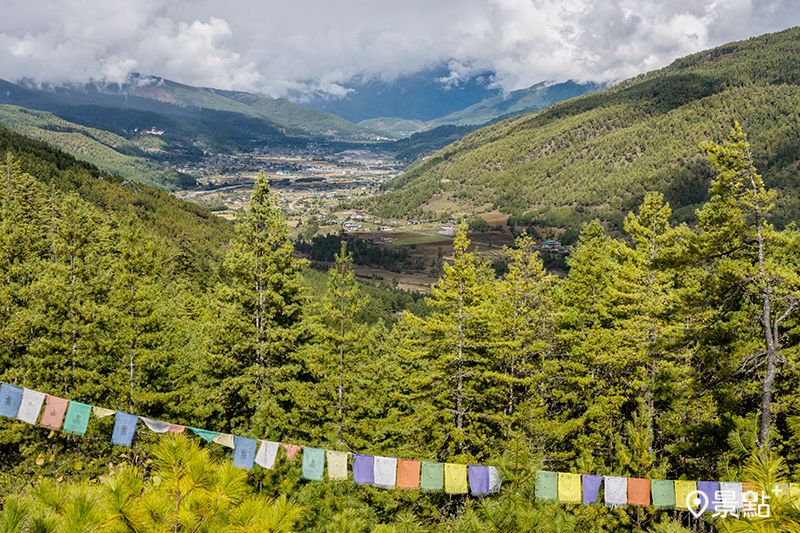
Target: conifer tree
463 413
260 314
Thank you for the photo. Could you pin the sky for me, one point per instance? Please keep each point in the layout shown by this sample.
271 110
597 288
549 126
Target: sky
302 47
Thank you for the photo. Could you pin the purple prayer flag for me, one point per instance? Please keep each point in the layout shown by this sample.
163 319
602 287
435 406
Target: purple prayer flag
363 472
708 488
591 487
479 480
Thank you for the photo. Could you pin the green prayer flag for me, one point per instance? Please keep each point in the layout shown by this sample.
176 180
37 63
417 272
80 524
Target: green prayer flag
663 491
432 478
205 434
77 418
546 485
313 463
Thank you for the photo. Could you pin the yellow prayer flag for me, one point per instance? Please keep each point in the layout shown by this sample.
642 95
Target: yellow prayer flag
569 488
337 465
794 495
455 479
102 412
682 491
224 439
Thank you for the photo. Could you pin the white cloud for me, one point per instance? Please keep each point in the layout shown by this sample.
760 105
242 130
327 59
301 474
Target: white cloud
318 46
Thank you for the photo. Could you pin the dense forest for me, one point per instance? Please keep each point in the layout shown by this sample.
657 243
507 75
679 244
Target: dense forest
598 155
669 353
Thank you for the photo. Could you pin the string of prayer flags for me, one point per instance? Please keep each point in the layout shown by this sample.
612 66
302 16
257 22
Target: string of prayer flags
77 418
385 472
124 428
267 453
663 491
313 463
31 406
363 469
10 399
569 488
224 439
408 474
102 412
455 478
291 450
591 487
337 464
156 426
682 491
638 492
432 479
54 410
546 485
205 434
244 454
735 490
616 491
478 476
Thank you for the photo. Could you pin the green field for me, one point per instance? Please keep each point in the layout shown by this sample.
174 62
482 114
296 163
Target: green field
421 239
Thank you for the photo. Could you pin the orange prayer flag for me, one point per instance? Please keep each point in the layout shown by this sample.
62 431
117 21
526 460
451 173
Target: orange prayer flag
639 492
408 474
291 450
54 410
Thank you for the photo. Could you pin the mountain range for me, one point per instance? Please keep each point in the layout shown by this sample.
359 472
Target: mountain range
596 156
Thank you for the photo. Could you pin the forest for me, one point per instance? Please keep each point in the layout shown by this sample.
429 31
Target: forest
668 352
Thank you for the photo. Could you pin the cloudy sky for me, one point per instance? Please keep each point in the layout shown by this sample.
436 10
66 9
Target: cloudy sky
275 47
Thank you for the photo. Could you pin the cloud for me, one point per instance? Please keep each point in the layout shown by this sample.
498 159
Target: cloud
315 46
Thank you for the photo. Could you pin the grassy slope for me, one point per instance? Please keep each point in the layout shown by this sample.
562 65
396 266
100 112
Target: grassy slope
597 155
109 152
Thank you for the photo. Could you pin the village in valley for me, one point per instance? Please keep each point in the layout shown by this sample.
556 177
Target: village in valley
316 189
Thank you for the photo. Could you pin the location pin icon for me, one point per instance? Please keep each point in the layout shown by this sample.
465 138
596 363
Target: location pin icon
697 502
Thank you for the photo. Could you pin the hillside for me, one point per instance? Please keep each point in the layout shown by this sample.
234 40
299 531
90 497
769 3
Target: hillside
597 155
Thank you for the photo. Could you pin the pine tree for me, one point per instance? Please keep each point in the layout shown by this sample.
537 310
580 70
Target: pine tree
463 413
258 323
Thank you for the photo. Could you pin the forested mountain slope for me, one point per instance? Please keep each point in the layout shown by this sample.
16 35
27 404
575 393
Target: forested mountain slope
596 156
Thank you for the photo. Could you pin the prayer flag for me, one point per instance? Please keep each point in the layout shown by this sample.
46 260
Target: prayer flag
102 412
176 428
156 426
313 463
546 485
478 479
455 478
124 428
495 479
224 439
735 488
267 452
616 491
432 477
77 419
291 450
363 471
709 488
244 452
682 491
663 491
591 487
205 434
639 491
569 488
408 474
54 410
31 406
10 398
385 472
337 464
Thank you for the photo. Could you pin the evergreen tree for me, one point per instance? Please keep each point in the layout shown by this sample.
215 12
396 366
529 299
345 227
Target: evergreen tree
463 413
